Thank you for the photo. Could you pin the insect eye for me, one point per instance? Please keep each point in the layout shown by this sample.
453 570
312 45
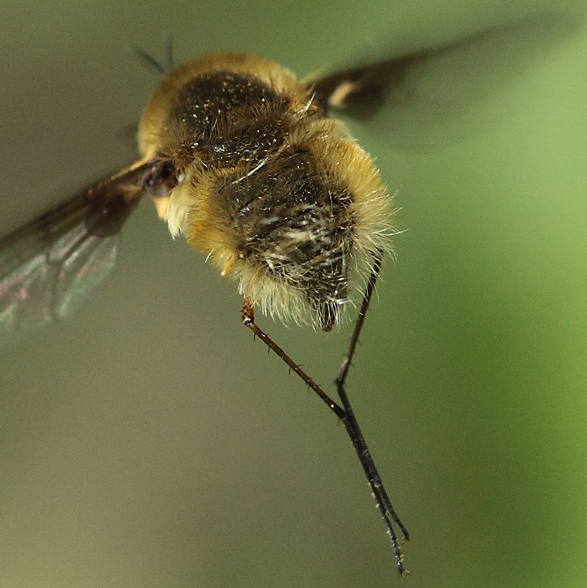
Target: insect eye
161 178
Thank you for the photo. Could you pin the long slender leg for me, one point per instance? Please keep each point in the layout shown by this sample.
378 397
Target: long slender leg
345 413
352 426
249 321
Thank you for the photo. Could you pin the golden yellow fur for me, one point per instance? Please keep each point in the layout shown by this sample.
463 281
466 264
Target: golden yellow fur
201 204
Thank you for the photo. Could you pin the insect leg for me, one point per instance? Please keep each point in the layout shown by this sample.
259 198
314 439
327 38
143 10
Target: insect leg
249 321
345 413
354 432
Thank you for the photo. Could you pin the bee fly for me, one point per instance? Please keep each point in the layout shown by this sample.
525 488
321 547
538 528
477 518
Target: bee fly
241 158
244 161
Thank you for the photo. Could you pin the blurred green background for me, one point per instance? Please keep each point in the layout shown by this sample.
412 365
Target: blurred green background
148 442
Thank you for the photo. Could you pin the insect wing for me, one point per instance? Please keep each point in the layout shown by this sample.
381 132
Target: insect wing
411 101
50 266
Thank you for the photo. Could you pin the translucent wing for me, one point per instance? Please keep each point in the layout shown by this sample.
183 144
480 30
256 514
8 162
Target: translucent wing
49 266
408 99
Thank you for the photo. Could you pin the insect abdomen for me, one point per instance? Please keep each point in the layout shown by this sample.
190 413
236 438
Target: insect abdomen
294 226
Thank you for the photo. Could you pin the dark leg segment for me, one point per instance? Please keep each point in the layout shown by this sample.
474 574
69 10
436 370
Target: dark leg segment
346 415
352 427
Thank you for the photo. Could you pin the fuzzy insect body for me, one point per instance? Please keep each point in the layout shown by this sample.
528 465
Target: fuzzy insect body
274 192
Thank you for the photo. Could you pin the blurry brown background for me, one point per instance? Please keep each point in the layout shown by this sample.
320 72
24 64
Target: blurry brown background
148 442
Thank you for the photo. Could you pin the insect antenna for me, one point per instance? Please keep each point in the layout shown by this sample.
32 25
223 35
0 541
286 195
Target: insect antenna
345 413
165 63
